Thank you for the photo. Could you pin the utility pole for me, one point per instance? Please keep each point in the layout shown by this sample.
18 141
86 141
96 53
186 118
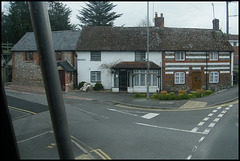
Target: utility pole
148 65
227 19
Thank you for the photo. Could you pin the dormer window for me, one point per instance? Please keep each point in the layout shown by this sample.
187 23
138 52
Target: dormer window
213 56
140 56
180 56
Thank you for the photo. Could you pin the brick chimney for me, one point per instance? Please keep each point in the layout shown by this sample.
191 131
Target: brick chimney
215 24
159 21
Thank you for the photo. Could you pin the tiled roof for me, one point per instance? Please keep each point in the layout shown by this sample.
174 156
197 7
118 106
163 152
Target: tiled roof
66 66
62 41
135 38
135 65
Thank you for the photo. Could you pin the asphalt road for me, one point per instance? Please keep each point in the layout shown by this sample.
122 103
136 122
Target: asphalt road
105 131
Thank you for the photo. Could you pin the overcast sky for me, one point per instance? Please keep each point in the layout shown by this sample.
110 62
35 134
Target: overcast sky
176 14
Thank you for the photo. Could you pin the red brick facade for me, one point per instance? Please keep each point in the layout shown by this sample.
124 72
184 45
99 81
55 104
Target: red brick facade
196 63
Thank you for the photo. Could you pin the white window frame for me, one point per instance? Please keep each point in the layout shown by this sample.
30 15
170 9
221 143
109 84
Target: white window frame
95 56
213 77
95 76
140 75
179 78
140 55
140 78
213 56
180 55
153 78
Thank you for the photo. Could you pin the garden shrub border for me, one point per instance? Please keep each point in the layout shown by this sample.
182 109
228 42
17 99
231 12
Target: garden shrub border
182 94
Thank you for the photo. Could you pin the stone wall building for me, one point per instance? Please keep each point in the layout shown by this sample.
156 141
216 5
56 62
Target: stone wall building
26 65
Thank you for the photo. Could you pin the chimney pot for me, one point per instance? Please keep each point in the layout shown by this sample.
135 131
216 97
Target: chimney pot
215 24
159 21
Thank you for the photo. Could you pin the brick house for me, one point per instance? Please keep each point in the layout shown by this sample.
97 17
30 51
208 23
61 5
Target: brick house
180 58
26 66
233 39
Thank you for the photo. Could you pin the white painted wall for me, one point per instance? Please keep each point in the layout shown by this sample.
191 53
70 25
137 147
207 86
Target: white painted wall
85 66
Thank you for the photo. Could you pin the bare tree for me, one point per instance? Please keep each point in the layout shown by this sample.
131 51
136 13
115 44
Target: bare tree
143 22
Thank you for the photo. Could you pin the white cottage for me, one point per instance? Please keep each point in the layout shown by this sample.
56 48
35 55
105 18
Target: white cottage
180 58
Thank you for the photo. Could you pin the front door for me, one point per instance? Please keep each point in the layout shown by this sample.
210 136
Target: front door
123 80
196 80
62 79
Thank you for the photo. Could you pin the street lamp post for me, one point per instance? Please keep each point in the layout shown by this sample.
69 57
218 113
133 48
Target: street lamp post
148 65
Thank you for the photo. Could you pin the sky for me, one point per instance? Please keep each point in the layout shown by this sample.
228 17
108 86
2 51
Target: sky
179 14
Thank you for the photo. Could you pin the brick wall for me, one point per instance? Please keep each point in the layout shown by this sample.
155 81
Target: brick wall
195 62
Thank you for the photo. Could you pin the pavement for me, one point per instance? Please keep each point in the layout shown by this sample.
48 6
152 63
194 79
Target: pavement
128 99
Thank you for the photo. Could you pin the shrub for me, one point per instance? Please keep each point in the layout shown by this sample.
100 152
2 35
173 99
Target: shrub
177 97
181 96
172 93
194 94
207 93
162 96
190 96
138 95
199 93
171 96
98 86
182 91
81 84
155 95
163 92
185 96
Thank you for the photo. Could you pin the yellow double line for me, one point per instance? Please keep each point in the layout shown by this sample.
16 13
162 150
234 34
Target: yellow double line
19 109
101 154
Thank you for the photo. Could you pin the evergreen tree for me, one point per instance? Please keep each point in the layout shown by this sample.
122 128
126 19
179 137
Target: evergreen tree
97 13
19 20
59 16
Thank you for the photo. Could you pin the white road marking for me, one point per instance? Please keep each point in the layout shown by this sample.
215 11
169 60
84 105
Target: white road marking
189 157
227 108
210 114
200 123
206 118
220 115
111 109
214 111
194 149
206 131
201 139
34 136
91 113
219 107
224 111
216 119
211 125
150 115
230 105
194 129
168 128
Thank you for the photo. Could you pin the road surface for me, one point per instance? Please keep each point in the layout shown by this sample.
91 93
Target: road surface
105 131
